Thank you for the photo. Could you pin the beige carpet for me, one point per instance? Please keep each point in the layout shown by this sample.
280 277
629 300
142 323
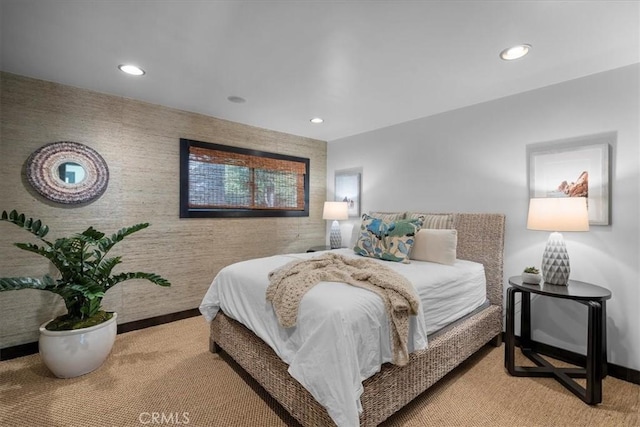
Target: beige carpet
165 375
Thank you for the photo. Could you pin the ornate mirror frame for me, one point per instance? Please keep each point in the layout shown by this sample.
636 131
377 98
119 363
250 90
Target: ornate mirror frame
43 172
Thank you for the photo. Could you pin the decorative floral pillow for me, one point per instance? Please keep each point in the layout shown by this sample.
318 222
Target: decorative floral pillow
390 240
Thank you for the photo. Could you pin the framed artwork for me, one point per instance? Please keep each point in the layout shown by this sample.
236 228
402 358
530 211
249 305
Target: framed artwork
347 189
574 168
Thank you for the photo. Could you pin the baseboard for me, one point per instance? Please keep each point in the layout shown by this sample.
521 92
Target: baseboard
158 320
18 351
616 371
32 347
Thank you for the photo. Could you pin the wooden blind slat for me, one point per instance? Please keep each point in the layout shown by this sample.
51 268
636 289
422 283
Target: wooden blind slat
273 188
238 159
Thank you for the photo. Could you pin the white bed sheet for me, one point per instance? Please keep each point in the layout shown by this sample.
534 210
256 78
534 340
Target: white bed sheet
342 334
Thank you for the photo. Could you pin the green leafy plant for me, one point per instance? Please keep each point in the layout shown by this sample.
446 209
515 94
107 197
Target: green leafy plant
86 273
532 270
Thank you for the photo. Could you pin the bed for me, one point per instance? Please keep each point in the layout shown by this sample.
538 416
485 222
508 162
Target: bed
480 238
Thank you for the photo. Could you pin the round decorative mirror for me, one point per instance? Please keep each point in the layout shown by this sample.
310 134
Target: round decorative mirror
68 172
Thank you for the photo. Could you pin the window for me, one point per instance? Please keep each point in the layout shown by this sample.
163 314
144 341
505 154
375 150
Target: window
222 181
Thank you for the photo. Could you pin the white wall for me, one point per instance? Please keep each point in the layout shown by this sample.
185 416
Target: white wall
474 160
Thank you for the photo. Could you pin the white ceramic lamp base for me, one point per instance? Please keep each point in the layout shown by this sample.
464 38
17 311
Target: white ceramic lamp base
555 261
335 239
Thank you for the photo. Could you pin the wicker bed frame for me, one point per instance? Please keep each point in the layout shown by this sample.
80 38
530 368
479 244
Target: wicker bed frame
480 239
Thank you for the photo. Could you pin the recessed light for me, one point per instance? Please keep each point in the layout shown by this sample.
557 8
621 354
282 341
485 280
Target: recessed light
316 120
515 52
236 99
131 69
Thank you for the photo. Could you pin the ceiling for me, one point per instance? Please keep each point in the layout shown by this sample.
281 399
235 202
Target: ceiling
360 65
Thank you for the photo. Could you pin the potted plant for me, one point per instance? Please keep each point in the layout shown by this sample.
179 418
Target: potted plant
531 275
80 340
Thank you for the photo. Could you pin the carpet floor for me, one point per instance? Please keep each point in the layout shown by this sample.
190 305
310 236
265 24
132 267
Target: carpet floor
165 375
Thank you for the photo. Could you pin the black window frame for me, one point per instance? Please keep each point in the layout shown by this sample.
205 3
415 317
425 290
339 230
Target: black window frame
189 212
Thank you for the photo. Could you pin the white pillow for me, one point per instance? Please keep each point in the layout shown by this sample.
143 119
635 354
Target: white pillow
435 245
355 233
345 232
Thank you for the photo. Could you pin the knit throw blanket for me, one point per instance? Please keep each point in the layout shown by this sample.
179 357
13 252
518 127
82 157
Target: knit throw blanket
289 283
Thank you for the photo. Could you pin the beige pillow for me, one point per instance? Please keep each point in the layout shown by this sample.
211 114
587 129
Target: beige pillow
388 216
433 220
435 246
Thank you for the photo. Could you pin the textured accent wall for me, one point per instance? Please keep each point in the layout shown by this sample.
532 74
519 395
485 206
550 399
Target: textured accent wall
140 143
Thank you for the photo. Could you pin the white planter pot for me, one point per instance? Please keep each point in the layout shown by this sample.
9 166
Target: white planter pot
70 354
531 278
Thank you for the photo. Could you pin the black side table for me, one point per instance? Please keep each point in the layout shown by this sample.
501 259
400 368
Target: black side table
590 295
318 248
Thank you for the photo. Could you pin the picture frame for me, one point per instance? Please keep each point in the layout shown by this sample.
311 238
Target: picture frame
348 189
578 167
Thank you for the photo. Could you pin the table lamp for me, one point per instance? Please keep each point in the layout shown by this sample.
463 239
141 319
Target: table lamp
335 211
557 214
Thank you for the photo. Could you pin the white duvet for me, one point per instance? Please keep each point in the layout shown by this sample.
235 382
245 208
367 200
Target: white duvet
342 334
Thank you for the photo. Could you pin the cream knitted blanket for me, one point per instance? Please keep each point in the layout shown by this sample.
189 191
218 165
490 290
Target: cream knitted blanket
289 283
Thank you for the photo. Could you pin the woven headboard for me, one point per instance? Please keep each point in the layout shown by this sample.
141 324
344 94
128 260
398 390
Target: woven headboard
481 239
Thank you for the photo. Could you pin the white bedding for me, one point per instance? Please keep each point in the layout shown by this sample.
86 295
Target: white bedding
342 334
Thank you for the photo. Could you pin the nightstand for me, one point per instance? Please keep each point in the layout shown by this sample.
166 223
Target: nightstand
594 297
318 248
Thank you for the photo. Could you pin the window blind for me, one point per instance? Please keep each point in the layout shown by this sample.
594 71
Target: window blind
230 178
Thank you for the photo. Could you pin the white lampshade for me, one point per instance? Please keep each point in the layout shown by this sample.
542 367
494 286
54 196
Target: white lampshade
557 214
335 210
